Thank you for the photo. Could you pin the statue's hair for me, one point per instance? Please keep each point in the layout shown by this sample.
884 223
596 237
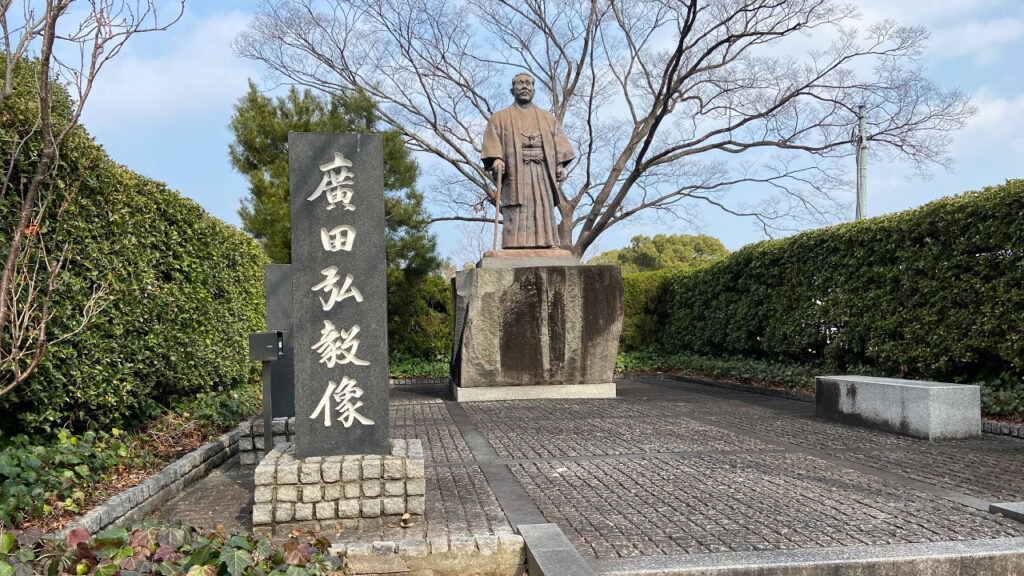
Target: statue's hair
530 76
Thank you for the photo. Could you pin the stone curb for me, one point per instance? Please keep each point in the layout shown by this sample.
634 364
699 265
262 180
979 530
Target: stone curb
987 426
479 554
974 557
138 501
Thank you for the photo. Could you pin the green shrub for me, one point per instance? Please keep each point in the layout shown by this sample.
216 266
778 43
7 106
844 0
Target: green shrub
36 478
154 547
47 476
642 303
730 368
408 367
929 293
185 289
419 317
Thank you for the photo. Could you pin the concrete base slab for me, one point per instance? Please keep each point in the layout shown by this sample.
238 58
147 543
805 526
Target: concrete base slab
391 564
526 258
549 552
928 410
974 558
1013 510
550 392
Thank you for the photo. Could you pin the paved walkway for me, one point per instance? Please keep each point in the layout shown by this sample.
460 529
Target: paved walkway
671 472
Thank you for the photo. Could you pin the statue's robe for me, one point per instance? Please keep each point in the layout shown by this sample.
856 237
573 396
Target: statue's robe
529 191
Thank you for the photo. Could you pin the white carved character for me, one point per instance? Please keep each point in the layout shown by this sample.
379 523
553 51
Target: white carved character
338 346
336 183
334 292
338 238
343 394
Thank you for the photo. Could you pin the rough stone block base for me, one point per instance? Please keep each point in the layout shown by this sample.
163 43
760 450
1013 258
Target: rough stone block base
536 326
482 555
329 488
929 410
250 444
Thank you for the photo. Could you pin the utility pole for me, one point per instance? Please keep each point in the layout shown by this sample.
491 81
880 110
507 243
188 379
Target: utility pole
862 164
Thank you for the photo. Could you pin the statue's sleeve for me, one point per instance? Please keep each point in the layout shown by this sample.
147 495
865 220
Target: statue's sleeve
491 148
563 149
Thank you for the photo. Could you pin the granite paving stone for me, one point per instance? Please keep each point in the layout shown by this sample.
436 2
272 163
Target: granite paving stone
667 468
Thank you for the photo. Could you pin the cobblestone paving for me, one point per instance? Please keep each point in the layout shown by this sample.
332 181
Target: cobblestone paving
223 498
994 476
430 422
674 468
718 503
459 501
607 436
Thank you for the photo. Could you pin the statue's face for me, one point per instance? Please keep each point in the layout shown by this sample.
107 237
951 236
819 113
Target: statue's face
522 89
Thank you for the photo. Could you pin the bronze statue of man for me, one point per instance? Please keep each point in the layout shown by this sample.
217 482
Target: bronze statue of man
528 147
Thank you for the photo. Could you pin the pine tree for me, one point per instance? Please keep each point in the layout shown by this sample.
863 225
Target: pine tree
260 152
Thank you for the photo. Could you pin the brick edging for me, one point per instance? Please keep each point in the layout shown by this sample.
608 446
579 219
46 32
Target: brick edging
138 501
987 426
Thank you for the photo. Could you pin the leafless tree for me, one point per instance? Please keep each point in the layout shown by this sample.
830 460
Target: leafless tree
70 42
670 104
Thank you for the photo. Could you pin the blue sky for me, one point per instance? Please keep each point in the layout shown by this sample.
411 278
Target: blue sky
162 106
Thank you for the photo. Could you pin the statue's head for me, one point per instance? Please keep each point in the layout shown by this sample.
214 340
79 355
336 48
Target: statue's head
522 88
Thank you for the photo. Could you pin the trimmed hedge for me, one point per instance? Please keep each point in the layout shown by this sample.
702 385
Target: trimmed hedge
642 303
935 292
185 290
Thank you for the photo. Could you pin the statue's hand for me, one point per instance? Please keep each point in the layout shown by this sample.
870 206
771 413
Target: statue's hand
560 173
498 167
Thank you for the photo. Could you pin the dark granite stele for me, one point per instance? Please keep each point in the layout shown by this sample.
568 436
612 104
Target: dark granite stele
339 294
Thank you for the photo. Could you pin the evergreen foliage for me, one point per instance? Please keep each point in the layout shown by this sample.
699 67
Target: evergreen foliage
931 293
676 251
183 289
419 312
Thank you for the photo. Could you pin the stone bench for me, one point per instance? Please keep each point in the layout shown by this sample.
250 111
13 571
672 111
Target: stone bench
929 410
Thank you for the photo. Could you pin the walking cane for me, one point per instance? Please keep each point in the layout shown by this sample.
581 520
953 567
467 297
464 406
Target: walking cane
497 209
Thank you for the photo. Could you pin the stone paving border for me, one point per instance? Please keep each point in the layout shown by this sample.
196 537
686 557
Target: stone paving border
987 426
1014 510
136 502
977 557
549 552
462 555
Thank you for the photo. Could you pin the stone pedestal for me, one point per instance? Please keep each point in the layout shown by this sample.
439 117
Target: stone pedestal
536 326
317 490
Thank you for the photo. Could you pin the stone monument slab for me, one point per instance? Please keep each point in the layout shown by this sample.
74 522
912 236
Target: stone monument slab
277 290
339 294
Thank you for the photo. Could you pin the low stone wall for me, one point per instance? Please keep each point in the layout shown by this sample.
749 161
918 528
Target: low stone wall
331 488
135 503
498 555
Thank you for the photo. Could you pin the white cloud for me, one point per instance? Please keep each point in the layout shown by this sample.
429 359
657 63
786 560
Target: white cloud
929 12
157 81
981 39
995 135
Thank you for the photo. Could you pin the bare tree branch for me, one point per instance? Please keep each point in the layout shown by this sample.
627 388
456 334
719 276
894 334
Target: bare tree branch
656 95
71 55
